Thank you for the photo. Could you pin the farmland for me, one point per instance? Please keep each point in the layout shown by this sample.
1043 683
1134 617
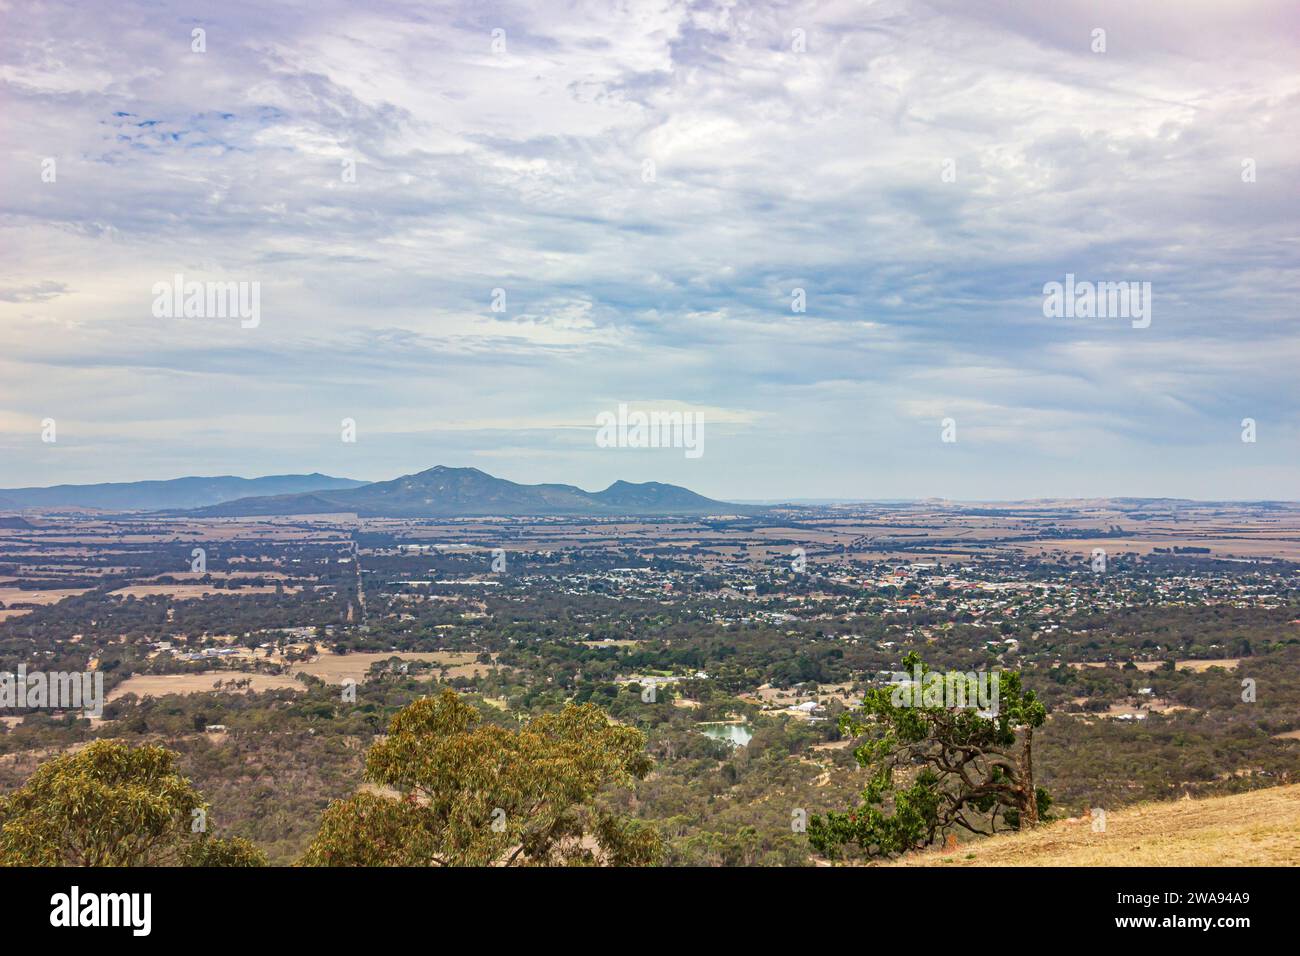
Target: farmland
735 643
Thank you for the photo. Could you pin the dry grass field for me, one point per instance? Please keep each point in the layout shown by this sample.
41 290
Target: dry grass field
9 596
336 668
190 592
159 685
1227 663
1260 828
1199 667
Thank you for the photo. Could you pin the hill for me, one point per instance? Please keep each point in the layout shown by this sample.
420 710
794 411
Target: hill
1258 828
174 493
469 492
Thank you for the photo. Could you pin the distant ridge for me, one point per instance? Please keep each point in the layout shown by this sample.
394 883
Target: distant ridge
175 493
468 492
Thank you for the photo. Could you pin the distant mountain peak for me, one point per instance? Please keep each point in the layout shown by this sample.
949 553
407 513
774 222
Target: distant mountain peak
446 491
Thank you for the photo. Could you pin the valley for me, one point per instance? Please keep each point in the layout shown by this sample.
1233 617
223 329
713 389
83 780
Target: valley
734 641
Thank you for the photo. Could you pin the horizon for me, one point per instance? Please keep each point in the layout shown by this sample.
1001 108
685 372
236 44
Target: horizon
787 499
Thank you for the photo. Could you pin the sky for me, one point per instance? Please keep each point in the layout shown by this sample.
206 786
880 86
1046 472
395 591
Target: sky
475 227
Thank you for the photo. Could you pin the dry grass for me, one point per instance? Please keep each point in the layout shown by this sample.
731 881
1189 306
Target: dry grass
159 685
191 592
336 668
1200 667
19 596
1260 828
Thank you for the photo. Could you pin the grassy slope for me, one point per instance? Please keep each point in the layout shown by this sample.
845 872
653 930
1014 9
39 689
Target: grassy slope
1260 828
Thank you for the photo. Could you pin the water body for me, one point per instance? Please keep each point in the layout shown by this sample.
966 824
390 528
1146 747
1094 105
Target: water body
738 735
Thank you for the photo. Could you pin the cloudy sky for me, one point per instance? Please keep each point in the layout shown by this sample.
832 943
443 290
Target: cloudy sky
648 183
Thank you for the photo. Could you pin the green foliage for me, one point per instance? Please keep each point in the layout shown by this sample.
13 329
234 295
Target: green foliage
934 769
474 794
111 805
215 851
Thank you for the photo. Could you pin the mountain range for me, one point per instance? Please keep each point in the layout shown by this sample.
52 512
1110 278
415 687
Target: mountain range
468 492
176 493
436 492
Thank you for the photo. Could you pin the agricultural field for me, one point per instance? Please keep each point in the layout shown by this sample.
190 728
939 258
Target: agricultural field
736 663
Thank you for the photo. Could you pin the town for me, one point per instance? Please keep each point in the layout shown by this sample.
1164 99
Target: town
735 642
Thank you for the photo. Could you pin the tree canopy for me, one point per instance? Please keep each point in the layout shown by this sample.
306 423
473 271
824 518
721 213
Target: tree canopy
110 804
935 768
469 793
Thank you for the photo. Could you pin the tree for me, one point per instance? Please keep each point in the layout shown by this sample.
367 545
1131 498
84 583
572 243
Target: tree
475 794
110 804
936 768
230 851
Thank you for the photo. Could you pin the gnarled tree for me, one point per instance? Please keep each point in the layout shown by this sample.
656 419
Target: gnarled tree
475 794
935 768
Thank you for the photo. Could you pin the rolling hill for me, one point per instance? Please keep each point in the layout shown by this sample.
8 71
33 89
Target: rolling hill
175 493
1258 828
469 492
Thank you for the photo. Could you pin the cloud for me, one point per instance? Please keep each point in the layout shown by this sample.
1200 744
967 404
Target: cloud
37 292
649 184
